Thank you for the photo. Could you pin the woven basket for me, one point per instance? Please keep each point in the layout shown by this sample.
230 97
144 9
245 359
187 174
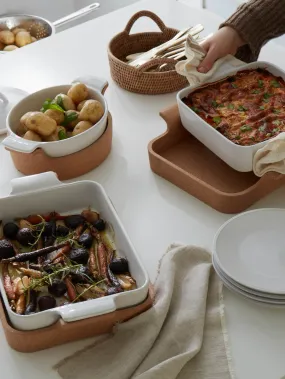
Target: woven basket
139 80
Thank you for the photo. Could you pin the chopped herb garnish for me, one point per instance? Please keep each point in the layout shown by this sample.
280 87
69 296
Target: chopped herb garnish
217 120
237 137
195 109
267 95
231 106
252 138
275 130
262 128
262 107
260 83
221 105
276 111
245 128
276 122
234 85
275 83
242 108
214 103
256 91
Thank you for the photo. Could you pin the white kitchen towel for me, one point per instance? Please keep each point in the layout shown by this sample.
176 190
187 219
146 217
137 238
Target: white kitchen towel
271 157
181 337
195 54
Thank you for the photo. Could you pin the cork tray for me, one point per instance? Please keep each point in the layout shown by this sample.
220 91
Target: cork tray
64 332
65 168
184 161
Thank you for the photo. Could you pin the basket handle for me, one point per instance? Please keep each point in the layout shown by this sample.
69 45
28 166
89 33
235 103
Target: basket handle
149 14
156 62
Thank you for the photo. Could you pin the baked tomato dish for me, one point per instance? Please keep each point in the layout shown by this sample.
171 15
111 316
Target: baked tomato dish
246 108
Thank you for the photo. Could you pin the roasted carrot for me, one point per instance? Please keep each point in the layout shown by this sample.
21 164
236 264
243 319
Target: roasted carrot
21 284
92 260
70 290
8 283
78 231
31 272
62 252
102 260
21 304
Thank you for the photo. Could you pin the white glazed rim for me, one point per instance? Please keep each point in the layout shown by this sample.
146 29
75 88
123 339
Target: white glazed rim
217 236
55 143
186 91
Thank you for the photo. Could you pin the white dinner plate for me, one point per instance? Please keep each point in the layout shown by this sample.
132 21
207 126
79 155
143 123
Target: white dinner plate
250 248
247 295
265 295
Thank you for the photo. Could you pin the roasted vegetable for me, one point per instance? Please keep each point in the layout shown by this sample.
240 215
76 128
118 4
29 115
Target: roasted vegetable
21 305
81 127
74 221
56 115
10 230
81 275
6 249
32 305
23 39
46 302
25 237
85 240
90 216
21 285
102 259
92 111
7 37
100 225
64 102
119 266
7 282
57 288
78 92
62 231
113 290
79 255
31 272
32 136
70 290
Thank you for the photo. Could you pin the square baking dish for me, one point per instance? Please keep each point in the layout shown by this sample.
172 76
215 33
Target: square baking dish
240 158
44 193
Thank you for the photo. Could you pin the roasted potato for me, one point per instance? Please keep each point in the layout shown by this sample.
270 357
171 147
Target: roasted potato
56 115
2 45
17 30
23 39
81 127
78 92
32 136
10 48
24 118
7 37
65 102
71 119
92 111
33 39
41 124
81 105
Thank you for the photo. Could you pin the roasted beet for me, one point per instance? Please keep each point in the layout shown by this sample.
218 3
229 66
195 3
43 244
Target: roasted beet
32 306
79 255
46 302
85 240
119 265
48 229
81 275
6 249
113 290
74 221
25 236
57 288
62 231
10 230
100 225
48 241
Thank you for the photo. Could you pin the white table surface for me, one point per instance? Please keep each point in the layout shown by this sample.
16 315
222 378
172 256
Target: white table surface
154 212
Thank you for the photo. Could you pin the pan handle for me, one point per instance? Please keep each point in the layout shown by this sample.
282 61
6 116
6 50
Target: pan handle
78 14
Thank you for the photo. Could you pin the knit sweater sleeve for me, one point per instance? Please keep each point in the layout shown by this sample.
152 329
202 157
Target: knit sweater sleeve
257 21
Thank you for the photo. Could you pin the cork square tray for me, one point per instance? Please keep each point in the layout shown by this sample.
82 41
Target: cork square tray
181 159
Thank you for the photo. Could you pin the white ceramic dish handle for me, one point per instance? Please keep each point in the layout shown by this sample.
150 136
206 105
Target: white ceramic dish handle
92 81
34 183
18 144
103 306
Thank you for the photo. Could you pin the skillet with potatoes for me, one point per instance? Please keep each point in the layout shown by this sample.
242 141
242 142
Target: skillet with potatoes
65 116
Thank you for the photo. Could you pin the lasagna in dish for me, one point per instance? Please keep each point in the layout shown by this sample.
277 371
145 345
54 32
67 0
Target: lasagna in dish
246 108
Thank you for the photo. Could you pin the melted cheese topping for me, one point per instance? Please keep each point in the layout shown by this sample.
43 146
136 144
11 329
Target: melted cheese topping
246 108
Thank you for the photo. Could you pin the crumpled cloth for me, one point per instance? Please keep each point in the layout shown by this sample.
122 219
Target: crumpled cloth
271 157
195 54
181 337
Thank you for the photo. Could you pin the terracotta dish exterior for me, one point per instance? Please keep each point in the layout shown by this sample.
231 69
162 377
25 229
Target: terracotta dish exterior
86 159
180 158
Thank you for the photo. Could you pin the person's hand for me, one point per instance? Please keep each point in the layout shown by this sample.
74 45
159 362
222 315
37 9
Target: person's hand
225 41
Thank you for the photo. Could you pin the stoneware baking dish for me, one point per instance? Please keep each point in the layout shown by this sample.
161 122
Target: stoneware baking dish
240 158
61 148
44 192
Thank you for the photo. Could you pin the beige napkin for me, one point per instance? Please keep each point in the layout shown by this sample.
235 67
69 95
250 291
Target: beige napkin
271 157
181 336
195 54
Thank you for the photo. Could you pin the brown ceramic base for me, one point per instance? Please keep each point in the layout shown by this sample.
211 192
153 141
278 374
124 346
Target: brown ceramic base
86 159
180 158
62 332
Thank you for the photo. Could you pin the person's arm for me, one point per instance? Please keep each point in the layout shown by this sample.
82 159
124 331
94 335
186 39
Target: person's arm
246 31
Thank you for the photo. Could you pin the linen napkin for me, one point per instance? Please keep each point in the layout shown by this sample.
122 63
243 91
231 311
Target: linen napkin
195 54
271 157
181 336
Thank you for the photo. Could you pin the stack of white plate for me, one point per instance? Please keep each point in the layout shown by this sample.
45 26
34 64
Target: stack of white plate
249 255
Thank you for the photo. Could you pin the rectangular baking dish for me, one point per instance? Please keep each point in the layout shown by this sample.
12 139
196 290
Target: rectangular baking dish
240 158
44 193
